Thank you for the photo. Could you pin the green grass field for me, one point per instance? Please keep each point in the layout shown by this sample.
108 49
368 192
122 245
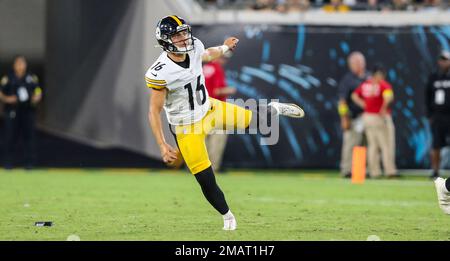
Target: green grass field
164 205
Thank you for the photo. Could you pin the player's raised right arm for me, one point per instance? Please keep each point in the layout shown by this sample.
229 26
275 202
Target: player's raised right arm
157 98
214 53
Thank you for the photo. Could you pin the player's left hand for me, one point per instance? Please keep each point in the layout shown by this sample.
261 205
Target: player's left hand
168 154
231 43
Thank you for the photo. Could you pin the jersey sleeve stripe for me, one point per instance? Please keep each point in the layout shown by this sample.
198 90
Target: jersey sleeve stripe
158 87
155 81
158 84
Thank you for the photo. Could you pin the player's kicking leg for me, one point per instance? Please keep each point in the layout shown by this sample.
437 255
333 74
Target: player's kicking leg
443 194
193 149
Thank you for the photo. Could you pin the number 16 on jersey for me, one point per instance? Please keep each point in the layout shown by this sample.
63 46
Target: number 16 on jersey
199 91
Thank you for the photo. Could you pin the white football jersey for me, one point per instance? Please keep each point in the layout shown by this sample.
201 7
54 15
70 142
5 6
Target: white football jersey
187 99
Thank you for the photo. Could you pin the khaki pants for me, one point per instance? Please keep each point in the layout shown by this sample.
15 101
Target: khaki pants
380 132
352 137
215 144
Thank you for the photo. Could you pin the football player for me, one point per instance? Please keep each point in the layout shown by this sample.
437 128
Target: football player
178 86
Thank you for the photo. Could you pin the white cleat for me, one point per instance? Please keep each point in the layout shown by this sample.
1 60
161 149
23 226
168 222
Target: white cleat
443 195
288 109
229 224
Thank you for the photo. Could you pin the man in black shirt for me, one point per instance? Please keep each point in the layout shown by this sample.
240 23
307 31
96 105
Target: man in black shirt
350 113
437 98
20 92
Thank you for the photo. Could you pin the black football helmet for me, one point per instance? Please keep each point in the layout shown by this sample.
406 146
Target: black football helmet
169 26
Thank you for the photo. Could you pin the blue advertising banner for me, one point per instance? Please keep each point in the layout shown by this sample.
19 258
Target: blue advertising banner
304 64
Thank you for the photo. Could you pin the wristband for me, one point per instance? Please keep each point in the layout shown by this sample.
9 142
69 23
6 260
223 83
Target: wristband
224 48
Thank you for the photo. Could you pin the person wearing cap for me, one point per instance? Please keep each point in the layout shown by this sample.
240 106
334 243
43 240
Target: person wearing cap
437 105
20 92
217 87
375 96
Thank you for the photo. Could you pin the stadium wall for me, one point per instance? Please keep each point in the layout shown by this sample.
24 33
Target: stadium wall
97 57
22 29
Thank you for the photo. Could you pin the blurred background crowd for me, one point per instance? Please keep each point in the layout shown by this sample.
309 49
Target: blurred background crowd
328 5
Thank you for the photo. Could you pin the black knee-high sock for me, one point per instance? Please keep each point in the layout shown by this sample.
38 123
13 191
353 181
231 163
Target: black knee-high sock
211 190
447 184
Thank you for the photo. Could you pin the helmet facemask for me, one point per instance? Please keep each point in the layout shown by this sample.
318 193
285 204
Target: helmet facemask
185 42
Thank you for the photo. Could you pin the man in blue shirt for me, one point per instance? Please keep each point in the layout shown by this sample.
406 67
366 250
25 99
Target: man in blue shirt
350 113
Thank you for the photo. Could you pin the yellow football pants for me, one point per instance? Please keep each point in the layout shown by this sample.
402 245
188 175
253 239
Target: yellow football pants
191 138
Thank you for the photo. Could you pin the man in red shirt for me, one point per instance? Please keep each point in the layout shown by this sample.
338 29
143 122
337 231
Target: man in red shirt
217 88
215 80
374 96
